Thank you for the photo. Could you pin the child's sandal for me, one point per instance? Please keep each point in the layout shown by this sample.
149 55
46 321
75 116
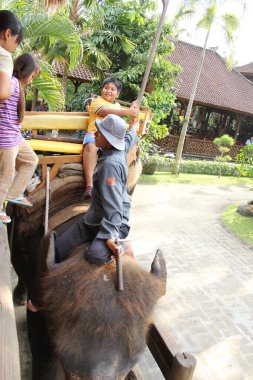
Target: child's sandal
4 218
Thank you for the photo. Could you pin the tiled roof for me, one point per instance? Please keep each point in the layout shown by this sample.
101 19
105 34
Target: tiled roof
81 73
245 69
218 87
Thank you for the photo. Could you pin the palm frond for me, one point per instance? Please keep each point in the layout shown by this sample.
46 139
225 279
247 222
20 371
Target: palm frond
115 37
208 18
231 21
58 27
230 25
102 61
49 87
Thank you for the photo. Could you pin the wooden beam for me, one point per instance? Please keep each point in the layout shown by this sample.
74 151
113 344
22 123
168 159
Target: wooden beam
56 161
173 365
9 349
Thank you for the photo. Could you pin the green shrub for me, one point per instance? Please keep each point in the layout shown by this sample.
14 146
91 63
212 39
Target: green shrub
245 160
202 167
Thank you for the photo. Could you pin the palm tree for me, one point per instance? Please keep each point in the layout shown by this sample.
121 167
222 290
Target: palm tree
230 24
44 29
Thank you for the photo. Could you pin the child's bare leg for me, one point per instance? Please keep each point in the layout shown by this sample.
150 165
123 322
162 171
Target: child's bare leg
89 163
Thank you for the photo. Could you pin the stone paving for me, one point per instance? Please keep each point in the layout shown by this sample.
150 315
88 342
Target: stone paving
208 307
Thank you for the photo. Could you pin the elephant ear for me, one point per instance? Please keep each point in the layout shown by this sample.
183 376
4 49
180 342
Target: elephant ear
158 269
158 266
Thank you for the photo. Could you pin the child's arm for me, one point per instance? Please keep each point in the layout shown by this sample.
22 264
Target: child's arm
5 88
131 111
131 137
6 68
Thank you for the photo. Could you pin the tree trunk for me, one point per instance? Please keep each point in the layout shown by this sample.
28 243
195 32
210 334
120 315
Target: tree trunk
34 98
65 80
75 4
176 166
238 126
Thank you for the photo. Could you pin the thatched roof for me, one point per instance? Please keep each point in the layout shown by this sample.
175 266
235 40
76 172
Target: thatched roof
81 73
218 87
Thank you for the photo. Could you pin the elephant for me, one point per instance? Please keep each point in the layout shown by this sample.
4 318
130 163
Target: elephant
86 329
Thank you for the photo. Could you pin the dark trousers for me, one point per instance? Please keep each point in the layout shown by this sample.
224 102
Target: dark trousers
79 233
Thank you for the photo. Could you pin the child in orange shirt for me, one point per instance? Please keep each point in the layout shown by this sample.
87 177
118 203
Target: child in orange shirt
100 107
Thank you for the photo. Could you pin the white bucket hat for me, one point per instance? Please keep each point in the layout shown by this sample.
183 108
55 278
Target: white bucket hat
113 128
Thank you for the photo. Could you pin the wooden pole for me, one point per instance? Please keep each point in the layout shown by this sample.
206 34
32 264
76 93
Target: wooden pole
120 284
9 349
152 53
183 367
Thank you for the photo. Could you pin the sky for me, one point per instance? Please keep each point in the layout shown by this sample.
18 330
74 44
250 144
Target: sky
243 52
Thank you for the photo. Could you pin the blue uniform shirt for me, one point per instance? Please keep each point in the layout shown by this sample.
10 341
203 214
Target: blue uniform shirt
110 205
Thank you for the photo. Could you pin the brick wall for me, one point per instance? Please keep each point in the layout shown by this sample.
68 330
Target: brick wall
194 147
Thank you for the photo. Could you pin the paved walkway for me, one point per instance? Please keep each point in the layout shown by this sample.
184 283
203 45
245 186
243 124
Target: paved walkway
208 307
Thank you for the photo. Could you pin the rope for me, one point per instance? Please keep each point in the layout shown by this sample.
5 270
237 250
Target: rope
47 200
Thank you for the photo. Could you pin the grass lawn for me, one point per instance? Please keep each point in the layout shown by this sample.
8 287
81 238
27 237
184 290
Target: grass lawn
241 226
166 177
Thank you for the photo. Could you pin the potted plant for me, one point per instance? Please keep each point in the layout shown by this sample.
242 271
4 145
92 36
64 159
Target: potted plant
223 144
150 163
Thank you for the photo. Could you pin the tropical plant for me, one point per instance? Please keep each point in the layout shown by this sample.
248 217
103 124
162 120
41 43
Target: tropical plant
223 144
245 160
43 29
230 24
126 37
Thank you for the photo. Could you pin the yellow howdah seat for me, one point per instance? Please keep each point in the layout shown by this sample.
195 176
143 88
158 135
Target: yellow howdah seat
63 151
65 121
61 121
56 120
55 146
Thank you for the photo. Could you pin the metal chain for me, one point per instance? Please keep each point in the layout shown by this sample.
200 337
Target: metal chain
47 200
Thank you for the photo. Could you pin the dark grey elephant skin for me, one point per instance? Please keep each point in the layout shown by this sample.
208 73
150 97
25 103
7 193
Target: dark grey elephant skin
86 329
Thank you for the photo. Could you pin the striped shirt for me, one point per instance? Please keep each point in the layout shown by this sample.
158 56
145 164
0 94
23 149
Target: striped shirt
10 134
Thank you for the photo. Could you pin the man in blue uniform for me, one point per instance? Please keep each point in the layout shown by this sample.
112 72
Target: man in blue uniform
107 218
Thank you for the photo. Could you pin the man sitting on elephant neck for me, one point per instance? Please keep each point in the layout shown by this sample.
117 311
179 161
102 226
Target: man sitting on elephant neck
107 218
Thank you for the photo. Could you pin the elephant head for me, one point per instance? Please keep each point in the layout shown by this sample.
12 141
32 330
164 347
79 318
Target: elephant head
96 331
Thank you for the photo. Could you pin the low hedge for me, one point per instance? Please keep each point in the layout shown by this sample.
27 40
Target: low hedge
201 167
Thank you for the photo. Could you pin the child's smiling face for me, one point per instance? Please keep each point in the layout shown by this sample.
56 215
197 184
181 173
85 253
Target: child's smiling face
110 92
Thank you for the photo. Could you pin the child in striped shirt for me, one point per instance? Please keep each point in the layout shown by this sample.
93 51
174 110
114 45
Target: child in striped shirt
11 35
15 153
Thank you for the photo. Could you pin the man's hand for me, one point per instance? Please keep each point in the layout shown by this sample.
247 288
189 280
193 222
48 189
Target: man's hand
112 245
133 111
135 104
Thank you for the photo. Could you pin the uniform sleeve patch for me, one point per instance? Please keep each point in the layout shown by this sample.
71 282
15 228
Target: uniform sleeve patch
111 181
